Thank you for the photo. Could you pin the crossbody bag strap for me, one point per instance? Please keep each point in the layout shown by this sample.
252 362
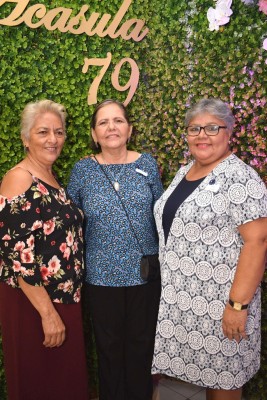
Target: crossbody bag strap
123 206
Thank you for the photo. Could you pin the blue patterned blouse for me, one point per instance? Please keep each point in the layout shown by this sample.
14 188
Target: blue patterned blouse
112 252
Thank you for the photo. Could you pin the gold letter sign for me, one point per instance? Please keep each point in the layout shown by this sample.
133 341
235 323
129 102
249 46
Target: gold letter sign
131 29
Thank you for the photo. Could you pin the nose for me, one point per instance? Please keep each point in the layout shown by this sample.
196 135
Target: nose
202 131
111 125
52 136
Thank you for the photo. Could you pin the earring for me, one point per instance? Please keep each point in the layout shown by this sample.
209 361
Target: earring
96 145
26 148
128 140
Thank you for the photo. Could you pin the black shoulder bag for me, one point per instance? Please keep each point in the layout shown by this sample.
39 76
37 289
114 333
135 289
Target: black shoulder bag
149 265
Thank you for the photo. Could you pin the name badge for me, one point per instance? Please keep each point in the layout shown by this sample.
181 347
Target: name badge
141 172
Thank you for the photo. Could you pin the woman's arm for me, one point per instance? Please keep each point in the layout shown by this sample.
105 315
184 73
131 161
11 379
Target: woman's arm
54 329
249 272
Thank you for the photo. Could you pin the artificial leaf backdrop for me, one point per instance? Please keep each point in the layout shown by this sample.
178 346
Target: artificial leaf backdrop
180 61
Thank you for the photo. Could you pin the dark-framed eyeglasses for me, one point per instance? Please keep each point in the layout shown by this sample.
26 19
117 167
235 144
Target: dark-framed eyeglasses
210 130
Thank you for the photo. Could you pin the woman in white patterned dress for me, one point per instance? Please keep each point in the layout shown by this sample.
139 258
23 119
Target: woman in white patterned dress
213 234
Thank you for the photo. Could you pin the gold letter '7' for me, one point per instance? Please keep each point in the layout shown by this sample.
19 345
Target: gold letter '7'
105 62
92 93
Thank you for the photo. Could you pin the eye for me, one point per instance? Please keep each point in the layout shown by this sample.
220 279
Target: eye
193 128
119 121
60 133
212 128
102 123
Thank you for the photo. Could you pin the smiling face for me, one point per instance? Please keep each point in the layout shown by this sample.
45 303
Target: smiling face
111 128
46 138
209 150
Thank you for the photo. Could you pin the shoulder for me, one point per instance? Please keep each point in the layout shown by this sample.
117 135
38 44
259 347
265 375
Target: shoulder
183 169
232 162
84 164
147 165
15 182
243 183
240 171
147 162
147 159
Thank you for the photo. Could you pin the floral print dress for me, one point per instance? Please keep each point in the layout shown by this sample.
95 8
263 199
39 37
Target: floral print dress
41 241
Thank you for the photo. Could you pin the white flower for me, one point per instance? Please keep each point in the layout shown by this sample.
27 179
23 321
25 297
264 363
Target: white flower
223 8
213 26
264 44
220 14
224 3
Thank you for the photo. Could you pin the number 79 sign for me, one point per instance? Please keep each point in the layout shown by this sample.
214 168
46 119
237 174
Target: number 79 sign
131 85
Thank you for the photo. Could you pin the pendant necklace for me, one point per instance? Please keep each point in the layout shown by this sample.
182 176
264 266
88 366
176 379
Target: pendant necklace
115 179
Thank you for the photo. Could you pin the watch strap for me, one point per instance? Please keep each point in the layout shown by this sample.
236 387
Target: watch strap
237 306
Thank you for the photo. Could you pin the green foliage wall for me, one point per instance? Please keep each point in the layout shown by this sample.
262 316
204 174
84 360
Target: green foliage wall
180 61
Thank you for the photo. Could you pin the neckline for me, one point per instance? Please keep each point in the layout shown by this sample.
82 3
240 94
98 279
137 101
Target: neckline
194 180
48 184
35 180
120 164
107 163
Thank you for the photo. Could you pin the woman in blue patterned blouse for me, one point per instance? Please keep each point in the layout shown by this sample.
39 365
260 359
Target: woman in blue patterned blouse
123 307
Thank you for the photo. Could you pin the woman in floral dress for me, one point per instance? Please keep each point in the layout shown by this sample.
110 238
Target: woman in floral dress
213 233
41 268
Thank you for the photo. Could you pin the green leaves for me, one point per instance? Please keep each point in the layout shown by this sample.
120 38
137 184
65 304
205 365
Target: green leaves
179 61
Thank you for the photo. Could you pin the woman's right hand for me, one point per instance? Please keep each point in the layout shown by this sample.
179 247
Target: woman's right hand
54 330
53 326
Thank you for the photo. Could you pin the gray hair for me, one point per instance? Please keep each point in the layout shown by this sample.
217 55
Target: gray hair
215 107
35 109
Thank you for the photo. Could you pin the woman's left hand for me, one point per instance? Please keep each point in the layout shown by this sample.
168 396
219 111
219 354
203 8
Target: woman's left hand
234 323
249 272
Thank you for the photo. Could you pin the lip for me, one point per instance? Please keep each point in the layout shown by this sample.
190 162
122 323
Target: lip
202 144
112 135
51 148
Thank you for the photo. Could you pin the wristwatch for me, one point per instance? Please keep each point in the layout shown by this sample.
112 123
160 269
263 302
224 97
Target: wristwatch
237 306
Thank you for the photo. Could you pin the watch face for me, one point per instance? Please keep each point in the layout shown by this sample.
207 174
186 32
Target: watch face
237 306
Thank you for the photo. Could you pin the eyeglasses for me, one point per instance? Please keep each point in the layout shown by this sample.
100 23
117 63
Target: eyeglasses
210 130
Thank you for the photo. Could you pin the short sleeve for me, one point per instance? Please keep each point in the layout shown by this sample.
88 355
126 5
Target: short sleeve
247 196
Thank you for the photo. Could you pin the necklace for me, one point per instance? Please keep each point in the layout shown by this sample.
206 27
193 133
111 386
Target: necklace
115 179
